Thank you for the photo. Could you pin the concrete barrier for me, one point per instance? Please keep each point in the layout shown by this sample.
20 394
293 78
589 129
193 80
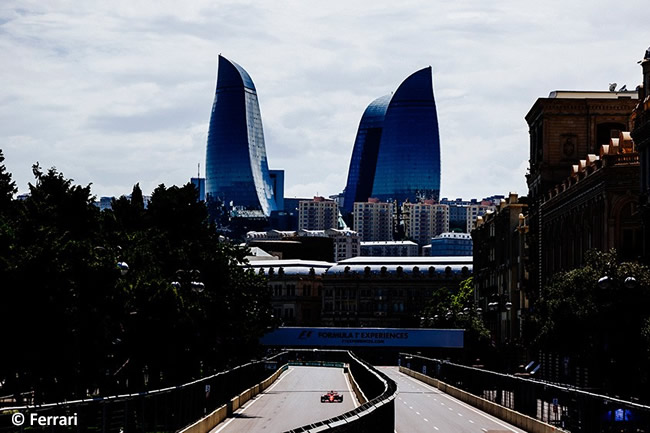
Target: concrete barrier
207 423
517 419
361 398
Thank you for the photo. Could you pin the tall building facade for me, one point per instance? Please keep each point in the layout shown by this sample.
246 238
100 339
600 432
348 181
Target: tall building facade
361 174
423 221
373 220
237 172
396 154
318 214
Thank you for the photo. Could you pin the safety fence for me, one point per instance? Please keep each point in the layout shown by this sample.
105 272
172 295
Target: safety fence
163 410
568 408
375 415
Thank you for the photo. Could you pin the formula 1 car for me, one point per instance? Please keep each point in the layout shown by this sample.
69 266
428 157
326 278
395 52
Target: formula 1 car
331 397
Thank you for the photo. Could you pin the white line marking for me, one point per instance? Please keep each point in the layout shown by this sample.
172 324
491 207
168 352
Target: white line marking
491 418
411 407
460 414
418 413
352 395
485 430
426 420
242 409
436 427
451 408
471 421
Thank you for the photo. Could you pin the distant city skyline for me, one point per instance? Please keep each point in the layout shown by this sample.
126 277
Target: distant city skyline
118 94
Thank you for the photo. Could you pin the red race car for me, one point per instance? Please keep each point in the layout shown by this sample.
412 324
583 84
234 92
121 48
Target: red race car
331 397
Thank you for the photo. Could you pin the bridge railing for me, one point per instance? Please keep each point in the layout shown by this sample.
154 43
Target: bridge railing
377 415
161 410
562 406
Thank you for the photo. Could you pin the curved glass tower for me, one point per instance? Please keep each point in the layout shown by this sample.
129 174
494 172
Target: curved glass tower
361 174
237 171
396 154
408 164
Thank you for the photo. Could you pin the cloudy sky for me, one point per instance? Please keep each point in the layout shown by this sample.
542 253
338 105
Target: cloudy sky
114 93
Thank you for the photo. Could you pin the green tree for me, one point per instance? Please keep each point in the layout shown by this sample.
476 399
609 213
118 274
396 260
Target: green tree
455 309
81 324
7 186
597 316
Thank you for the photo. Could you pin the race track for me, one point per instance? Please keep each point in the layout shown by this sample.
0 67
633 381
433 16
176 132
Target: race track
292 401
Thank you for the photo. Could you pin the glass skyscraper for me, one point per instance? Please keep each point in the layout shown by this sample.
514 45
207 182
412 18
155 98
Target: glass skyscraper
237 172
364 155
396 154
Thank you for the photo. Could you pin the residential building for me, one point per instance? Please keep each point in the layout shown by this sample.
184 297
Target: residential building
424 220
463 213
374 220
318 214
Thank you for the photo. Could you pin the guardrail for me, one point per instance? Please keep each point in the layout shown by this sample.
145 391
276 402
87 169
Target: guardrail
376 415
560 406
163 410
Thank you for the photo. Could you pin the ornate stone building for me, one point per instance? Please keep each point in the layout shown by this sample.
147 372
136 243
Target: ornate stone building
563 128
595 207
641 136
500 277
386 292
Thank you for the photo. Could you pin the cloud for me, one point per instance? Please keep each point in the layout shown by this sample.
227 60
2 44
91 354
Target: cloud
118 93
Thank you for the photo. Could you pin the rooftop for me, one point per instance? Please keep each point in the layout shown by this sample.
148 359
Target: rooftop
593 94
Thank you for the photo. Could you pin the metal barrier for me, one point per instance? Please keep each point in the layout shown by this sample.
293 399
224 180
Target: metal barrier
163 410
377 415
568 408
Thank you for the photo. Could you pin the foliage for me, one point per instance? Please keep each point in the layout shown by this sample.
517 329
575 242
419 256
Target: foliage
7 186
603 325
455 309
79 326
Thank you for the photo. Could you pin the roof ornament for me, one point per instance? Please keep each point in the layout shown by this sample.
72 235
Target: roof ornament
612 87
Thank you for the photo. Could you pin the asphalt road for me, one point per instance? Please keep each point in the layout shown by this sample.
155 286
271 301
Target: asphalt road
292 401
422 408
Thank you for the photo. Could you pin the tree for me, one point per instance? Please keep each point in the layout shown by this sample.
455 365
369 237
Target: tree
597 316
455 309
7 186
83 325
